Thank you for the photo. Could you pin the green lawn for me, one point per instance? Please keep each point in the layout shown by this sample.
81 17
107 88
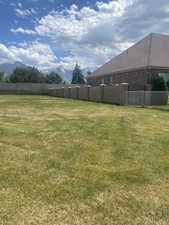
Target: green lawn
69 162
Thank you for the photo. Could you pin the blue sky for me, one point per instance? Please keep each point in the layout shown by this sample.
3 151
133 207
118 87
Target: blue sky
56 33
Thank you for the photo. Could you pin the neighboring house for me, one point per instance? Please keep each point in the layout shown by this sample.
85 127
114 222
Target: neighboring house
137 65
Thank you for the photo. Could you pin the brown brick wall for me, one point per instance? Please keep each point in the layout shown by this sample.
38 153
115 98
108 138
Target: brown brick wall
137 80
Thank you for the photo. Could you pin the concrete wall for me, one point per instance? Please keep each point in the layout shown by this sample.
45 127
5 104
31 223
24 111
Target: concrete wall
74 92
52 92
147 98
96 93
114 94
66 92
60 92
25 88
84 93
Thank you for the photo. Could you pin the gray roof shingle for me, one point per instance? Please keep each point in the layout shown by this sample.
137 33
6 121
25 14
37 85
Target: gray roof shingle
152 51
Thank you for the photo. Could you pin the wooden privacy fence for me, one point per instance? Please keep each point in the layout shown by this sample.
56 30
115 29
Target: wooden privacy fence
114 94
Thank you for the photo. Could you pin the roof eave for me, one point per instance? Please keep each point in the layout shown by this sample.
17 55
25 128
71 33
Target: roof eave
129 70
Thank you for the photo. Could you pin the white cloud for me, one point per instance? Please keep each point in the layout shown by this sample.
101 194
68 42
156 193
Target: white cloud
26 12
6 55
88 34
24 31
94 35
34 54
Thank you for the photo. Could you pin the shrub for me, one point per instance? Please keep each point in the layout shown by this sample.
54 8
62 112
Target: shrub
159 84
168 84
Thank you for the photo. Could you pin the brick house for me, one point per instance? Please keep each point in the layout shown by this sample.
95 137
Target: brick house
137 65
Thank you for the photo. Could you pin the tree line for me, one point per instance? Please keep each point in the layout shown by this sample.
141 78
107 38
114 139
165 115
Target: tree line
33 75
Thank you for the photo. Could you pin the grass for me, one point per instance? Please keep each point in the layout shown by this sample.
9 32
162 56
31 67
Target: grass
69 162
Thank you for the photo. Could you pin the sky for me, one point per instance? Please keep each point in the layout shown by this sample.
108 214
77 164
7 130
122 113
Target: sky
50 34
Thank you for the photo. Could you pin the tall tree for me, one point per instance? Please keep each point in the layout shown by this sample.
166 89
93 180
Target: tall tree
1 76
27 75
54 78
77 76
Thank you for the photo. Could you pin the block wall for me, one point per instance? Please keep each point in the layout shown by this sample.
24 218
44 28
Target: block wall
96 93
25 88
84 93
114 94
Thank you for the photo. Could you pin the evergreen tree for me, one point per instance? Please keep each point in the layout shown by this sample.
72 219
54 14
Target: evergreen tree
77 76
1 76
26 75
54 78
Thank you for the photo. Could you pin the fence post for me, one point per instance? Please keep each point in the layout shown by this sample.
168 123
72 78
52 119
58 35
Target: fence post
102 92
88 92
62 92
69 92
124 90
77 92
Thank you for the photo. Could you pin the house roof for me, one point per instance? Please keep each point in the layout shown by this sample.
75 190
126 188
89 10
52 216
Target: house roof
151 52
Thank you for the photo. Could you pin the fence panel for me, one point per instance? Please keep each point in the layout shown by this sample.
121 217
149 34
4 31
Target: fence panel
96 94
67 92
112 94
146 98
84 93
74 92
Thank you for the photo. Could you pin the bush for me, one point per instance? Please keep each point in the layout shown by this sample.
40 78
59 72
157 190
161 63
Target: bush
168 84
1 76
159 84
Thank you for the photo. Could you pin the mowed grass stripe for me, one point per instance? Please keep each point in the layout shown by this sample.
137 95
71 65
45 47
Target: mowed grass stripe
66 161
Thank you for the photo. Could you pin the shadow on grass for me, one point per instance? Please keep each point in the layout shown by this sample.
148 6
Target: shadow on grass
162 108
159 108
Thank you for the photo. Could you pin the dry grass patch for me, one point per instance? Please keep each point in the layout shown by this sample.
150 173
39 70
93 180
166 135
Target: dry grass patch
68 162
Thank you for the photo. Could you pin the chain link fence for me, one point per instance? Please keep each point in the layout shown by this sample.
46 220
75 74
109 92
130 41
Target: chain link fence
142 98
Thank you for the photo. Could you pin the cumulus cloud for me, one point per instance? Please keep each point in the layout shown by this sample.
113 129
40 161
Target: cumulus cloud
33 54
6 55
94 35
88 34
21 30
26 12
